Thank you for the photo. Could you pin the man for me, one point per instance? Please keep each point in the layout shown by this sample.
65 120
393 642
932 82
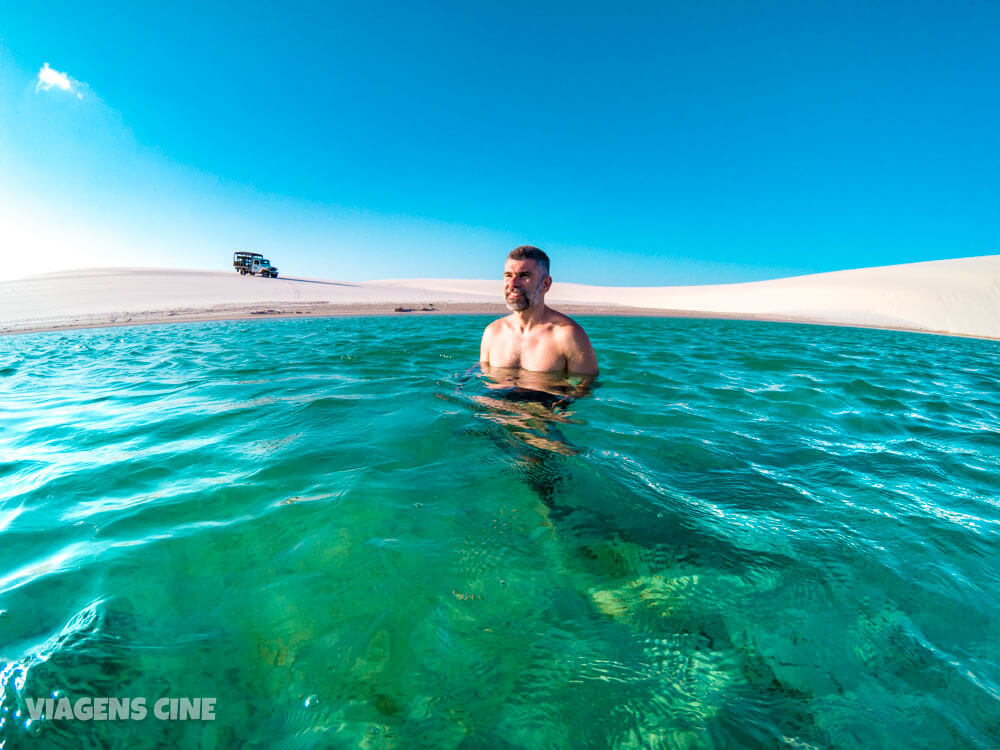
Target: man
534 337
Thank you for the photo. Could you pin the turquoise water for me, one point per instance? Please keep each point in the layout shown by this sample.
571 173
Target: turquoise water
747 535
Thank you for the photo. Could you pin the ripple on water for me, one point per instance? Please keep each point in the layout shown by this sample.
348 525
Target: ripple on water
746 533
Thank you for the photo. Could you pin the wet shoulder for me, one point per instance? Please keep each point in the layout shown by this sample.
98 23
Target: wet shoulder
498 325
564 324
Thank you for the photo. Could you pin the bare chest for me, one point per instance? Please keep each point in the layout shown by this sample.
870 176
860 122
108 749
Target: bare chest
531 350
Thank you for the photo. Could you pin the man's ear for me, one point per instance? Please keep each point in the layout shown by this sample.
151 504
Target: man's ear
546 283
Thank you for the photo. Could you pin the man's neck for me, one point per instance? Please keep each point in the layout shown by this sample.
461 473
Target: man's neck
530 317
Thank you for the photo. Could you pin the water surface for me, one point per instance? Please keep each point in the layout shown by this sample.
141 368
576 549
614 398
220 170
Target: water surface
746 535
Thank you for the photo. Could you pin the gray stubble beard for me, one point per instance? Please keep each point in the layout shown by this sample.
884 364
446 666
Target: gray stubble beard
524 304
528 297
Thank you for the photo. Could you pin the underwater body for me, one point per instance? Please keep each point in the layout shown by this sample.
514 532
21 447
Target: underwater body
742 534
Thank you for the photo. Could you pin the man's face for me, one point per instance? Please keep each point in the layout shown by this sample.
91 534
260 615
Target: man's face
524 285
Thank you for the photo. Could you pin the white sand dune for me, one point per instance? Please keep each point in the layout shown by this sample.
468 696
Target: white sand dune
958 297
118 290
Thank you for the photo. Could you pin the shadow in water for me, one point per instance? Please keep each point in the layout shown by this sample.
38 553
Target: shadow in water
528 409
663 580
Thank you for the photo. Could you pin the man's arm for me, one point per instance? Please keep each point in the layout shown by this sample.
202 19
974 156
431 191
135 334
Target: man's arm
484 345
579 353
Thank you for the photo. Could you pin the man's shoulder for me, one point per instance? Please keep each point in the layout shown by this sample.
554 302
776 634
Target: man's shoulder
497 324
575 345
564 323
496 327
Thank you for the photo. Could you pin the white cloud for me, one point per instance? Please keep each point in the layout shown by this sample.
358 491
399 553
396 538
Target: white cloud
50 78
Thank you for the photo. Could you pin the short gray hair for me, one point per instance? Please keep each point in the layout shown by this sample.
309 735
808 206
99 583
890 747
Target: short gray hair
530 252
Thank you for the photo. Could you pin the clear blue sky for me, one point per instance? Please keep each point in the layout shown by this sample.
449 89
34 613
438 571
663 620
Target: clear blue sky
640 143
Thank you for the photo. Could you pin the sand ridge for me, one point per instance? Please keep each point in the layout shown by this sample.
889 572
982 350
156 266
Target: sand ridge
957 297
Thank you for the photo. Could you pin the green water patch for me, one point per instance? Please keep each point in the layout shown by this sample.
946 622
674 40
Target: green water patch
743 535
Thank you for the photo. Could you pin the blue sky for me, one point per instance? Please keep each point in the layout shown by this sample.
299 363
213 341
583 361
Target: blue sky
639 143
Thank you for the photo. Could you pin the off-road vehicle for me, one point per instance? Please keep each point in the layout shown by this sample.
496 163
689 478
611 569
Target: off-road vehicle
253 264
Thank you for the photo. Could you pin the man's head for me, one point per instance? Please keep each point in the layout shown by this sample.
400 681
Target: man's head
530 252
526 278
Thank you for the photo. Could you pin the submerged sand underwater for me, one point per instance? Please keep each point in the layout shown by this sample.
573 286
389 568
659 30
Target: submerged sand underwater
749 534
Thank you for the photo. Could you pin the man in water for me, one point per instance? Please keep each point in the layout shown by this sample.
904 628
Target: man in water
534 337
